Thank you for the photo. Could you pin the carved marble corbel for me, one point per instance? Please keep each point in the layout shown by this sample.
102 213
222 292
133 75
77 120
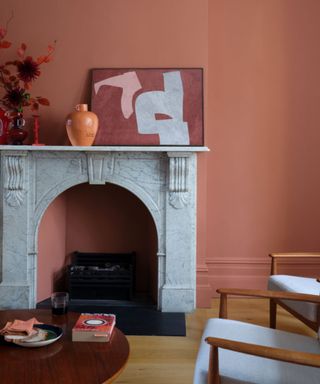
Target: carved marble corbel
99 165
178 179
14 179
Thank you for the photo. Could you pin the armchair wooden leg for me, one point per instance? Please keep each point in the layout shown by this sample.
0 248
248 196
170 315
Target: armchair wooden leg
273 314
213 371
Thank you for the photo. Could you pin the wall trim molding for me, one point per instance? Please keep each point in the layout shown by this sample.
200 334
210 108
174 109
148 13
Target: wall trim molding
202 268
260 261
235 260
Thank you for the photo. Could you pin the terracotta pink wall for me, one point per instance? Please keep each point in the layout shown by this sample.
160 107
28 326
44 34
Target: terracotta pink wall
103 34
264 119
259 186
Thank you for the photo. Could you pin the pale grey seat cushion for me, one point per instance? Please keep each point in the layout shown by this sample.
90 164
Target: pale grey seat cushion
239 368
300 285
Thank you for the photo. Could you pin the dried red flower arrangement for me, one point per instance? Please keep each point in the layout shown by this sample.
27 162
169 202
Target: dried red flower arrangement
17 77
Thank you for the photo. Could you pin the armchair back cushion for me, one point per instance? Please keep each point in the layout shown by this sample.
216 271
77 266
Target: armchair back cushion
239 368
297 284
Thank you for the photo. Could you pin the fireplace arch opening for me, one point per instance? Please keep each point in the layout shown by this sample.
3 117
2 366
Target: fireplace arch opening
97 219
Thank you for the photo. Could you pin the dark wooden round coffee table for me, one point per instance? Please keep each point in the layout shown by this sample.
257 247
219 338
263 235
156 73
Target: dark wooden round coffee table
64 361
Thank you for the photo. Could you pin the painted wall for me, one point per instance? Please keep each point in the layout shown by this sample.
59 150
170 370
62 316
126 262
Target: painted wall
259 186
103 34
264 120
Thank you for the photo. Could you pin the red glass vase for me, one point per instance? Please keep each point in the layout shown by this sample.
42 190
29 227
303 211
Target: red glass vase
4 127
17 133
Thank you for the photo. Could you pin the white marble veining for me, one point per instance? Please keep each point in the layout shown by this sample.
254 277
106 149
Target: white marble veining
163 178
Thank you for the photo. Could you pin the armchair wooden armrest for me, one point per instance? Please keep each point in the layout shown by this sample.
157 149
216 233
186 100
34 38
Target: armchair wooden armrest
289 356
289 255
224 292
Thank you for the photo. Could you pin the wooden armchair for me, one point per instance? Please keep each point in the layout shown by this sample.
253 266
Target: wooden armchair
234 352
309 313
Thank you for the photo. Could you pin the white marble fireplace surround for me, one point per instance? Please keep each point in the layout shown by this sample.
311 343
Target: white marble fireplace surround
163 178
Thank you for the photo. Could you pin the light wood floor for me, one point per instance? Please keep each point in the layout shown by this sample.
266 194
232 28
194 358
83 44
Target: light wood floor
170 360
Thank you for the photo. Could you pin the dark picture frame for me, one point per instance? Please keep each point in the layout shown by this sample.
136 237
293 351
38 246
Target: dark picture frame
148 106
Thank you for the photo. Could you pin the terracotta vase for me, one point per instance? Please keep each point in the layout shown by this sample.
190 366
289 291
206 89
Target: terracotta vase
82 126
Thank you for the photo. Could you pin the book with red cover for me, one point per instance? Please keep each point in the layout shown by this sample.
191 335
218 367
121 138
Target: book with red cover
96 327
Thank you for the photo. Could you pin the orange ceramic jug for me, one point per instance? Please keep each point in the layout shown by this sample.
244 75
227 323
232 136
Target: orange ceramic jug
82 126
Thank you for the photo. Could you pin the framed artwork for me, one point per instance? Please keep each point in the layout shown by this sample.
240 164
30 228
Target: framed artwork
148 107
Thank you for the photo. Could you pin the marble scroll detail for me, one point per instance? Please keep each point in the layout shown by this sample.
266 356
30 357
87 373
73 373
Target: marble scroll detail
178 182
14 183
99 166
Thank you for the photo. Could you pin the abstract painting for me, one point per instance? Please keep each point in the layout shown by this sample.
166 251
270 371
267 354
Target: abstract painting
143 107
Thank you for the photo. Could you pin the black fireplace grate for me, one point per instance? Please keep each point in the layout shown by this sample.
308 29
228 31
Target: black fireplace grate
102 276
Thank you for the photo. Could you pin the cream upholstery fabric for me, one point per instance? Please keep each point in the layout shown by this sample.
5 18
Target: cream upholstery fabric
239 368
297 284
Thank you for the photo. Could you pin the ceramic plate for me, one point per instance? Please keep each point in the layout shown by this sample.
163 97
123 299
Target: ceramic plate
49 334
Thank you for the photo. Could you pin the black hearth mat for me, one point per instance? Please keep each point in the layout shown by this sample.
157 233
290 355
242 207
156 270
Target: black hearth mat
144 321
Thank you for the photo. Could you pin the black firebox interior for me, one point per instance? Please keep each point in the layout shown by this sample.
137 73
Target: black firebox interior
101 276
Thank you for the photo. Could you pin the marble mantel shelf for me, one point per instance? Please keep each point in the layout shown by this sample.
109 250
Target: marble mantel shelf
104 148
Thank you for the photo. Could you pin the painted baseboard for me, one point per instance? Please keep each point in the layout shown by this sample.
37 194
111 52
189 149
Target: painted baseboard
204 296
244 273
